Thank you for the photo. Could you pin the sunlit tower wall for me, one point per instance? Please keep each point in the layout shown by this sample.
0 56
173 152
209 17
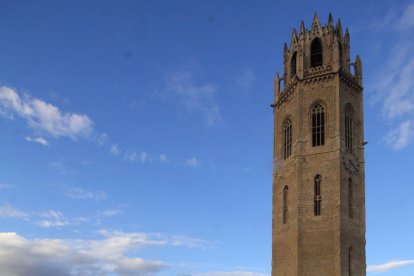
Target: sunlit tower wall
318 213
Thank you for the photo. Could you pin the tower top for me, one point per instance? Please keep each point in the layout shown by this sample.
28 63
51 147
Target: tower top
316 52
318 30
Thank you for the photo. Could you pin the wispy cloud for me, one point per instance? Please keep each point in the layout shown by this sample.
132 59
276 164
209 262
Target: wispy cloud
111 212
401 136
80 193
114 149
245 80
394 85
194 96
44 117
406 21
9 211
397 18
39 140
102 139
389 265
163 159
133 156
47 219
53 218
60 167
6 186
192 162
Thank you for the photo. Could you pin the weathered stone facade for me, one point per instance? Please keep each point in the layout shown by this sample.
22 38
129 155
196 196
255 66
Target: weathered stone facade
319 172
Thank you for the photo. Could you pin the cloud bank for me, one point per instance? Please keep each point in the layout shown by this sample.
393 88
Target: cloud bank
113 254
43 117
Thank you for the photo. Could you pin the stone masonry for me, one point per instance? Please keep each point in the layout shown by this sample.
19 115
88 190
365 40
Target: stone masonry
318 209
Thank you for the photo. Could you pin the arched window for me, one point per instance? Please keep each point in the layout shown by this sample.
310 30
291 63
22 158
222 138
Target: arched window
293 65
316 53
350 261
350 198
318 197
287 143
285 202
318 125
348 127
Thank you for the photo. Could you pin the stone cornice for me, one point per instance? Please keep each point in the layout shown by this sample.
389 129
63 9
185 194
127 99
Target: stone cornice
350 80
316 75
287 91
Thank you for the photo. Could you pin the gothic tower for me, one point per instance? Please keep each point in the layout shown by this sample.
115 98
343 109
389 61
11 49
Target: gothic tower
319 173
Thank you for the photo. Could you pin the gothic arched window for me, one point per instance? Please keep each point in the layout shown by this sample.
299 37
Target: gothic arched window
318 125
318 197
350 198
348 127
285 206
287 142
293 65
316 53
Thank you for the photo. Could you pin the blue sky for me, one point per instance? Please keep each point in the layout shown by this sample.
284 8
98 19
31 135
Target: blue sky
136 136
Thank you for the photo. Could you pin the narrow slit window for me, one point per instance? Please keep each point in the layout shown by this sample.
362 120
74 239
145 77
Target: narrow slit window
318 125
348 128
287 145
350 261
285 204
350 198
293 65
341 53
318 196
316 53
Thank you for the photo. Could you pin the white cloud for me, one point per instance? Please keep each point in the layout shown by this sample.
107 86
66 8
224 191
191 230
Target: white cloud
393 87
194 97
400 137
114 149
113 254
9 211
229 273
102 139
133 156
120 239
390 265
192 162
47 257
60 167
406 21
80 193
246 79
39 140
111 212
399 18
52 223
50 218
53 218
44 117
143 157
6 186
163 159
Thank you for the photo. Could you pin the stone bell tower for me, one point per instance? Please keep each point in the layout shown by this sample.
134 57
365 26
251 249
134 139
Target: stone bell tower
319 172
